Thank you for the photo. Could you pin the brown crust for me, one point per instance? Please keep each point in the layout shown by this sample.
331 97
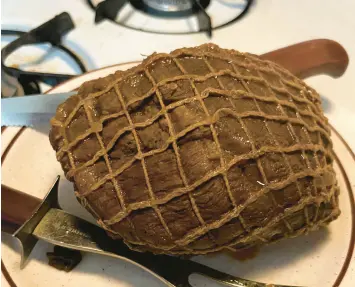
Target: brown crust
351 246
95 178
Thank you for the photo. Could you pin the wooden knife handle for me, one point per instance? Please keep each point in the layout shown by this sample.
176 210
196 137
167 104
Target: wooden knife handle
305 59
16 208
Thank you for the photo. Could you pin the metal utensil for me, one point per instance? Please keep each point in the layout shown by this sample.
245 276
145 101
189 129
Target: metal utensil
30 110
50 223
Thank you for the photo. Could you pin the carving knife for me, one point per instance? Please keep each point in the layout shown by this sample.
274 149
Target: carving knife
30 110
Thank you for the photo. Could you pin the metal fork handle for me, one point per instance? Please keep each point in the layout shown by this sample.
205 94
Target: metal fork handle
175 272
227 279
186 268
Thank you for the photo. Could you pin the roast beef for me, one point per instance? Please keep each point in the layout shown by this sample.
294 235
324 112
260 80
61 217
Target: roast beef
199 150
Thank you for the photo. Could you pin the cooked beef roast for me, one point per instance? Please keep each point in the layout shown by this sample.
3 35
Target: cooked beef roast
199 150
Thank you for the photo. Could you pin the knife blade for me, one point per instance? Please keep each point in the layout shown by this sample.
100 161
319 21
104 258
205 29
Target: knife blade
51 224
31 110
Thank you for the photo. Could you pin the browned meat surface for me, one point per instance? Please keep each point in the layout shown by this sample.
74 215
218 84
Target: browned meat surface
199 150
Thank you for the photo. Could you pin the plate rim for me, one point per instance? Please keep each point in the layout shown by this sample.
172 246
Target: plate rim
351 246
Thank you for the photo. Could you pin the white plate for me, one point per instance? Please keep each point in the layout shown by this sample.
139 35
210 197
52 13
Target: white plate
322 258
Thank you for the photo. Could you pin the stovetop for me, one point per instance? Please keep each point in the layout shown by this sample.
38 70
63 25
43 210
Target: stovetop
267 25
171 16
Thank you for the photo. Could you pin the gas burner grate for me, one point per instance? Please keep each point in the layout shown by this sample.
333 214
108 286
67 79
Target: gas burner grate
171 16
18 82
